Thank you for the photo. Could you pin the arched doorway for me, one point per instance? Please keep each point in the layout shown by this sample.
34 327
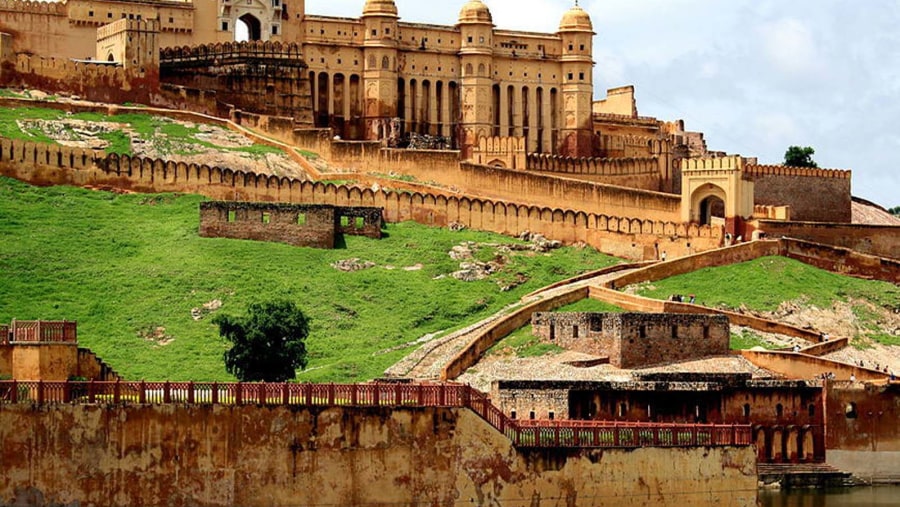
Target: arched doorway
712 210
708 205
247 28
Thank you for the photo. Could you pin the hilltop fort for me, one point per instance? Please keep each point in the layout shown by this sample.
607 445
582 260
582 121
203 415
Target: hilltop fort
464 125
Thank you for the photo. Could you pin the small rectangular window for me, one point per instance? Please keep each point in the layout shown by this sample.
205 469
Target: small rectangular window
266 218
301 219
274 29
582 47
512 415
374 32
224 26
551 415
571 47
232 215
470 39
643 331
706 332
171 20
531 415
345 221
360 222
581 76
90 14
674 331
571 76
575 332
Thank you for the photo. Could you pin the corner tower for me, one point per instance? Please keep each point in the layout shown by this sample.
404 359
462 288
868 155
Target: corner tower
576 33
379 20
476 54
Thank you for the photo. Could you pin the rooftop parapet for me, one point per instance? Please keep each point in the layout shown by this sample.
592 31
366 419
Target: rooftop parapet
808 172
33 7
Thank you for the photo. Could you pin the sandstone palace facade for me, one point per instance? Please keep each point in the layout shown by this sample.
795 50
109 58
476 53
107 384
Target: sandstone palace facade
462 82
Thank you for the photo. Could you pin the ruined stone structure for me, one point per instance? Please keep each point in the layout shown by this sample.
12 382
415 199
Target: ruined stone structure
635 340
313 225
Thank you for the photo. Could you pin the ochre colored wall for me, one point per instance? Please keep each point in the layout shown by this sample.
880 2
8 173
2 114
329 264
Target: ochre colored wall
250 456
44 361
814 195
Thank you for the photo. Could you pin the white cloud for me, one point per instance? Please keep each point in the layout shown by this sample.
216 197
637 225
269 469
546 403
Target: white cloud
791 48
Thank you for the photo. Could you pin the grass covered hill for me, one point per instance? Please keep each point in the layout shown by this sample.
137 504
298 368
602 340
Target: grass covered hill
131 268
788 290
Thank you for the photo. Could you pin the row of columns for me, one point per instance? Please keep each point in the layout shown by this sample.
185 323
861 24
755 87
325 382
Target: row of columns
428 107
530 112
335 95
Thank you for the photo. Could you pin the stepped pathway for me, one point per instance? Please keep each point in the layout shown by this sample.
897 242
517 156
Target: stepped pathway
427 362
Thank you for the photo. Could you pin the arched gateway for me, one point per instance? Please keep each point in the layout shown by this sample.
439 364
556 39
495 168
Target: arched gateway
716 191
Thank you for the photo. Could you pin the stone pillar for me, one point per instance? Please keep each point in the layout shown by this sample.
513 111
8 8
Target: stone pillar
446 120
432 109
504 111
532 141
517 111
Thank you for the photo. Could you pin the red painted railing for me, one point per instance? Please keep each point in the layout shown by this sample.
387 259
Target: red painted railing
40 331
546 434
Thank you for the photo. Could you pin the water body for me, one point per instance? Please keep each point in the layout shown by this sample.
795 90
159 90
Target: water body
851 497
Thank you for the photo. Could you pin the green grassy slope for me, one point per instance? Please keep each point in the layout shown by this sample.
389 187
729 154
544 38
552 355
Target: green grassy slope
165 135
763 284
129 269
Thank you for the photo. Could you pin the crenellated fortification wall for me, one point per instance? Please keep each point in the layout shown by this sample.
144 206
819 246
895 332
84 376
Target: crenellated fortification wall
43 28
93 81
814 195
639 172
265 77
625 237
269 50
496 151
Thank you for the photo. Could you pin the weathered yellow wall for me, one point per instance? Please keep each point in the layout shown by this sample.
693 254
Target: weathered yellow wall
45 361
273 456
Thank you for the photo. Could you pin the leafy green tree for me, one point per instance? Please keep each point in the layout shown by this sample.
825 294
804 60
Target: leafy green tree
268 344
895 211
795 156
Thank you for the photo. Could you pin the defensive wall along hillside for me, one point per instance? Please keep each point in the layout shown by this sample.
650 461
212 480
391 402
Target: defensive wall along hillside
43 164
609 194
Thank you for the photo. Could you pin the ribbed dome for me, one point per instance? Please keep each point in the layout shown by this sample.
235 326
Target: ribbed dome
576 19
380 8
475 12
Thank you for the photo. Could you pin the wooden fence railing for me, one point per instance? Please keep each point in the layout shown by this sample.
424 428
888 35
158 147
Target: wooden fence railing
545 434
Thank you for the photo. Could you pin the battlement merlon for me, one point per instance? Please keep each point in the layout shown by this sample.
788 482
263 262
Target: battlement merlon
808 172
730 163
127 25
20 6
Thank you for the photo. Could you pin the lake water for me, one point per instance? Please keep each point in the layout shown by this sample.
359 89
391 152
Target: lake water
855 497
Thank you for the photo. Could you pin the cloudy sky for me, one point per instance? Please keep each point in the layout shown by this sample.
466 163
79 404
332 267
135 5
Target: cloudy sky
755 75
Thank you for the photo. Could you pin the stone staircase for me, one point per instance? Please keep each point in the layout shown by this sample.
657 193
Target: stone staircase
803 475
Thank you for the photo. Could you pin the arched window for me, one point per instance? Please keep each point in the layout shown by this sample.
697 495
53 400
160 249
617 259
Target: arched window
385 63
